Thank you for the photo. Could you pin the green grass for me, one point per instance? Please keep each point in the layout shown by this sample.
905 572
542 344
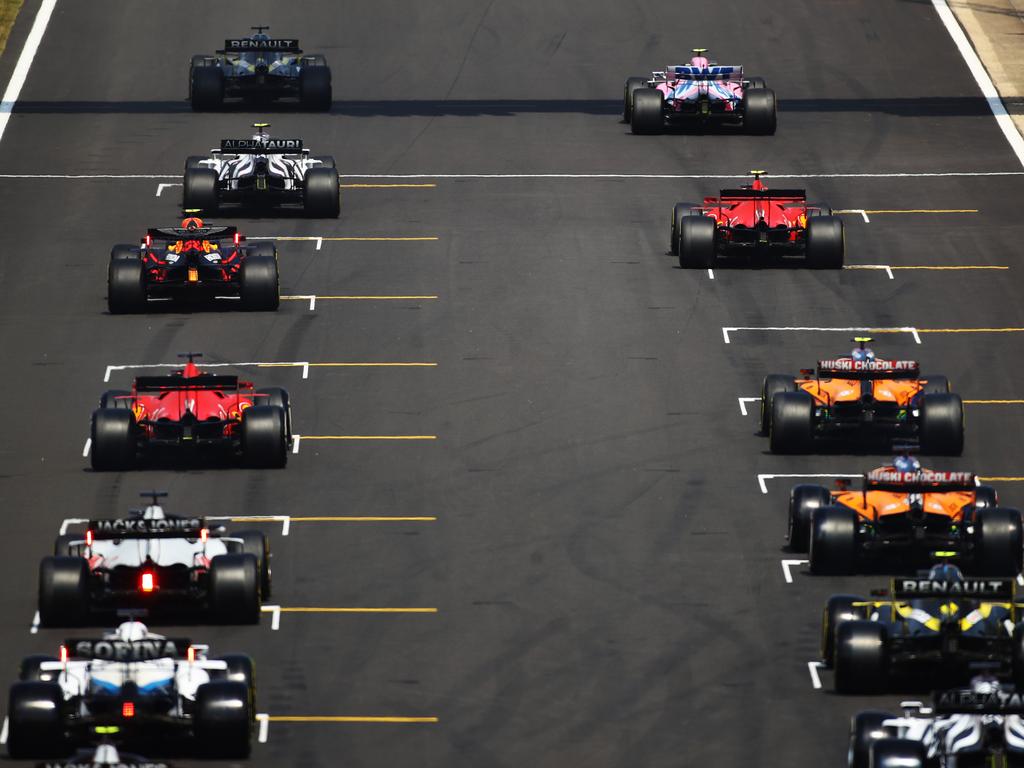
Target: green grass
8 13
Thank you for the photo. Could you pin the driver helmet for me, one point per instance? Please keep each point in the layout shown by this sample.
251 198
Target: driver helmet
863 354
985 684
945 572
700 61
131 630
192 223
906 464
153 512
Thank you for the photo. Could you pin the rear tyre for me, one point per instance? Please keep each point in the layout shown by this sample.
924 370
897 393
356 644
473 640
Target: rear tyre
234 589
63 591
264 444
633 84
833 547
326 161
898 753
200 189
759 111
322 195
679 212
648 111
985 497
861 664
998 542
804 500
113 441
207 88
773 384
826 243
865 729
29 670
194 161
936 385
256 544
278 397
838 609
124 251
260 289
34 721
126 290
941 427
223 719
756 83
118 399
696 242
792 423
315 88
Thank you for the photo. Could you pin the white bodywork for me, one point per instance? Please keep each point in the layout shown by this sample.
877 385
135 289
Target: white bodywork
291 168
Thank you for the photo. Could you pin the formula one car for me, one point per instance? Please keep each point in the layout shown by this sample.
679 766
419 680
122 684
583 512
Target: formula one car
194 410
757 224
150 561
902 517
933 627
861 399
191 263
700 93
136 686
976 726
262 69
262 172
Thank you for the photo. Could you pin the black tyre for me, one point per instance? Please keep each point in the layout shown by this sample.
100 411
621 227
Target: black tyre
759 111
838 609
696 242
256 544
803 501
207 88
941 426
126 289
633 84
315 88
826 243
648 111
985 497
998 542
234 589
791 428
898 753
936 385
278 397
200 189
34 721
62 546
118 399
865 729
773 384
833 547
223 719
63 591
861 658
240 670
326 161
195 161
264 440
124 251
261 288
113 440
29 669
322 195
756 83
679 212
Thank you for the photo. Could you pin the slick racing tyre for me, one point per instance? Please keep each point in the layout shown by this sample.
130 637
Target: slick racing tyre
234 589
759 111
118 399
898 753
207 88
633 84
124 251
223 719
838 609
804 500
326 161
29 670
315 88
861 663
679 212
113 440
63 591
260 284
240 669
256 544
833 546
826 243
792 423
126 290
194 161
936 385
998 542
63 545
268 250
865 729
322 195
34 721
648 111
278 397
200 189
756 83
773 384
696 242
941 425
264 441
985 497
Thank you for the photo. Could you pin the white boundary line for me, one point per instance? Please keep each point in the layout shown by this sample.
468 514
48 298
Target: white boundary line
813 667
296 439
981 77
3 732
34 627
285 520
88 445
727 329
772 476
786 564
160 187
275 620
264 721
28 53
744 401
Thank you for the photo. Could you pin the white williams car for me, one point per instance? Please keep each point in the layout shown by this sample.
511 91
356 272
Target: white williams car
262 172
135 687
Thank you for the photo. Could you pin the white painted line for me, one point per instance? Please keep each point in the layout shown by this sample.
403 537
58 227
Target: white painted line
770 476
719 176
160 187
34 627
744 401
916 335
286 526
275 621
319 245
285 520
786 564
88 445
881 267
305 370
71 521
296 439
3 732
726 330
264 720
90 175
981 78
1020 579
865 215
18 77
813 667
711 273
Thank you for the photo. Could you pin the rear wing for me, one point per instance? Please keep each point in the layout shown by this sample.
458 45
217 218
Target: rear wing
248 45
149 649
967 701
258 147
203 233
144 528
985 590
920 481
792 195
711 73
145 384
848 368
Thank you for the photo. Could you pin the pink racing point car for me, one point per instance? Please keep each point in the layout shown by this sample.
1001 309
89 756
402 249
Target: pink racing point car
699 93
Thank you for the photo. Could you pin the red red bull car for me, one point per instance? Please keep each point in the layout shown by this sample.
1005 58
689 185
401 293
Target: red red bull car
191 410
759 225
192 262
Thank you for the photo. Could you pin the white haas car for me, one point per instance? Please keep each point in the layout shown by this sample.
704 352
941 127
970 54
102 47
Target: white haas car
260 173
136 687
151 561
976 726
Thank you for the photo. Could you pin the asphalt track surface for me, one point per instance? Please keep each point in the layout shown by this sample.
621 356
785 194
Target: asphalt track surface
605 568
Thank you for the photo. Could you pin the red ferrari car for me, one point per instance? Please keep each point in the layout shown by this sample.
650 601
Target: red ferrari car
191 410
760 224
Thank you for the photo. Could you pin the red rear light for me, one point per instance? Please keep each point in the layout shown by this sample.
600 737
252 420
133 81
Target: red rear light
88 538
147 581
63 654
128 709
149 241
238 238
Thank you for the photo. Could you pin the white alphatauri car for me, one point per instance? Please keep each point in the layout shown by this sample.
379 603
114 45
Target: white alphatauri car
262 172
135 686
151 561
